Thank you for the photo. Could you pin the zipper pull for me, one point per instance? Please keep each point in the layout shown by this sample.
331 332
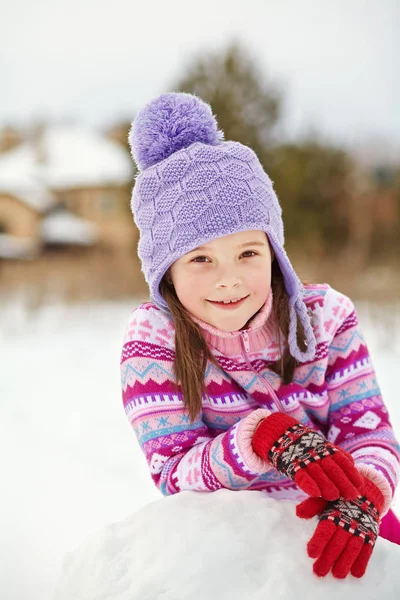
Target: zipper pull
246 340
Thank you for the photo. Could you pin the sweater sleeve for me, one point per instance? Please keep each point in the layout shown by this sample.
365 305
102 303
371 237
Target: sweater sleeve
358 418
180 455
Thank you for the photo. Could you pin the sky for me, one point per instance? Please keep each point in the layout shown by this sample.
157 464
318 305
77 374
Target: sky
97 62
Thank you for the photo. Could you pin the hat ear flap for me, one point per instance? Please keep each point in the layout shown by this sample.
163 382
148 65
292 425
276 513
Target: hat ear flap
298 308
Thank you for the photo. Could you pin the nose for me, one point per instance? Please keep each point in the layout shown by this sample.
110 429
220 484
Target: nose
228 281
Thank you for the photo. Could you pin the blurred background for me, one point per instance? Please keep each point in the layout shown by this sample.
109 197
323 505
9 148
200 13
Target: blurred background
312 87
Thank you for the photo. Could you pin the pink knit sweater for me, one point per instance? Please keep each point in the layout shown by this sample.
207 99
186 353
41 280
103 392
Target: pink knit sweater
337 394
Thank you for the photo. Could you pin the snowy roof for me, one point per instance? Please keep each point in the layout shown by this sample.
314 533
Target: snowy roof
63 157
76 156
19 177
12 246
64 228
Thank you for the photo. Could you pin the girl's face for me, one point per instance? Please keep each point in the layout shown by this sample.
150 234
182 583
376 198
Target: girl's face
230 267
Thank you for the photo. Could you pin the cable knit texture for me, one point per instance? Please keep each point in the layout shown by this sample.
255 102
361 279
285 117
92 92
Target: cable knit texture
336 394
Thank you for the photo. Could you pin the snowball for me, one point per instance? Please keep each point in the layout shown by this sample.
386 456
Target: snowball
225 544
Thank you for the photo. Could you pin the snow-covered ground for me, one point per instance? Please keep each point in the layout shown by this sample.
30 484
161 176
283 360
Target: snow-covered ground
70 464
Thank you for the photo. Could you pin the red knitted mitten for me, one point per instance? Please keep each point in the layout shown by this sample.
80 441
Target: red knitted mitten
317 466
346 532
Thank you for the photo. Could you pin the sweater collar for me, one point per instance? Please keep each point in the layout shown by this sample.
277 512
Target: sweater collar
259 332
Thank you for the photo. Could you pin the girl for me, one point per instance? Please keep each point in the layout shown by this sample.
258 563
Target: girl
236 375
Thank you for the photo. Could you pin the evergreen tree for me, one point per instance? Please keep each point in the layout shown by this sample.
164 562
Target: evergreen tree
246 105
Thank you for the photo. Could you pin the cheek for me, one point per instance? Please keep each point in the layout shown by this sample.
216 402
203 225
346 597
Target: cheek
192 279
260 286
259 278
190 287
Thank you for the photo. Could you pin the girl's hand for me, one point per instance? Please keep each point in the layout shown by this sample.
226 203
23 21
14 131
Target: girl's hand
317 466
346 532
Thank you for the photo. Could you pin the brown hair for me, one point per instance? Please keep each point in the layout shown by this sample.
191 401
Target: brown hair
192 351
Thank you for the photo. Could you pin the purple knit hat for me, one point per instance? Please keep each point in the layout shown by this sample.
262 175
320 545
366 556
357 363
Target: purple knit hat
194 187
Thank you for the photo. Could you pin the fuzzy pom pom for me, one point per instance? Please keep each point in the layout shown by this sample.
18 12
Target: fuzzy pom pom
169 123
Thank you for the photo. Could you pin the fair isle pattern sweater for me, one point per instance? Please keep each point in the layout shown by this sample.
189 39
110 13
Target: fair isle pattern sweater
336 394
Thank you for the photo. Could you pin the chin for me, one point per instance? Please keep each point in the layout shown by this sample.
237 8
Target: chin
229 329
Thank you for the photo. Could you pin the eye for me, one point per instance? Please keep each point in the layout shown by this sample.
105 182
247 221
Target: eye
197 257
201 261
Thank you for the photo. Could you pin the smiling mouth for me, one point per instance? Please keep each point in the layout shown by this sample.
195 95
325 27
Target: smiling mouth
222 303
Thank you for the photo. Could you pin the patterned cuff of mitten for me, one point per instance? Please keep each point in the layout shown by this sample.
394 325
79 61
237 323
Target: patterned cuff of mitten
381 482
245 431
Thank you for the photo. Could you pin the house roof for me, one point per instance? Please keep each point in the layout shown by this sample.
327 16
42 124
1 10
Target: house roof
20 177
79 157
62 227
62 157
15 247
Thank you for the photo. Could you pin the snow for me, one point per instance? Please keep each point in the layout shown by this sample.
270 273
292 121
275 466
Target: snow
77 156
66 228
225 545
71 465
20 177
12 246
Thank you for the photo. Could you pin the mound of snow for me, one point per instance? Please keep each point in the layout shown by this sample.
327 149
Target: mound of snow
233 545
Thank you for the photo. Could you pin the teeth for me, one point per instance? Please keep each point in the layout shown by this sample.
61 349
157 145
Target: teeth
226 301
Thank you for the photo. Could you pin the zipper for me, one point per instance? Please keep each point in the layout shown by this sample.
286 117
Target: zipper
244 336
